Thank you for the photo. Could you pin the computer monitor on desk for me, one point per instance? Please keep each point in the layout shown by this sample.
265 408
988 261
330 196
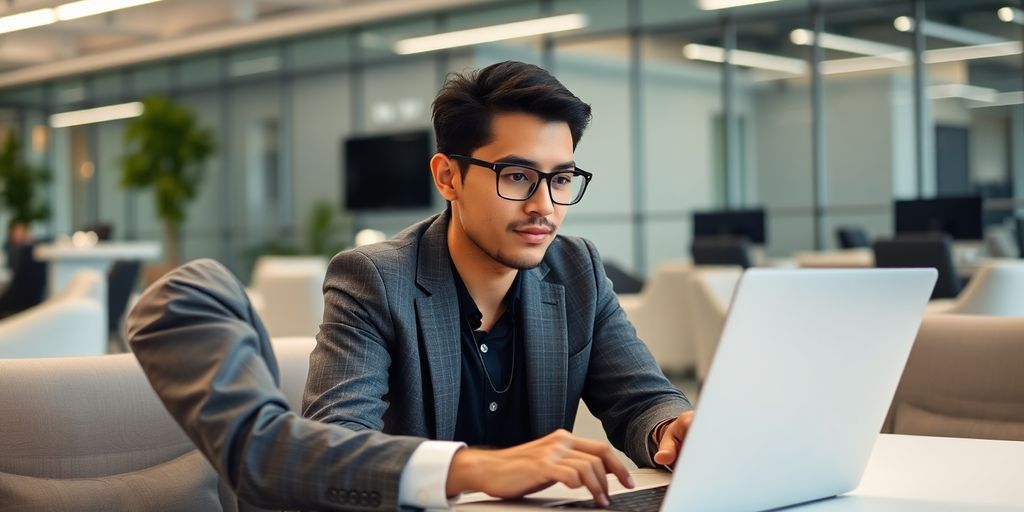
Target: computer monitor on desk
723 237
959 217
748 223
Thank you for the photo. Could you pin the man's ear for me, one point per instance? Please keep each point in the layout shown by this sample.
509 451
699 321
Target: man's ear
445 173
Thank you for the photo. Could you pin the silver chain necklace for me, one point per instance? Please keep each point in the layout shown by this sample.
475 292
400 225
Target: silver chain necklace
487 375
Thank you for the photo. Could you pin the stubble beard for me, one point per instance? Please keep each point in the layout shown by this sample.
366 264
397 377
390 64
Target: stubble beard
506 260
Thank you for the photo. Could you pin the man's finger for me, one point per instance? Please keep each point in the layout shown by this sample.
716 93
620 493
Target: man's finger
565 474
612 464
668 447
596 466
592 481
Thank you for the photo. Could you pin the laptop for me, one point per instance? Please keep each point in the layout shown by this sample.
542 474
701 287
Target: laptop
799 387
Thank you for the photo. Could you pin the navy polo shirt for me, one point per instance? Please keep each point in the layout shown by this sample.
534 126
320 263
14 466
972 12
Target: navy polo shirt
493 409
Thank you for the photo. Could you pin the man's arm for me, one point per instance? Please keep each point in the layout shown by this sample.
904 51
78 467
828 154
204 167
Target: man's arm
625 388
348 369
209 359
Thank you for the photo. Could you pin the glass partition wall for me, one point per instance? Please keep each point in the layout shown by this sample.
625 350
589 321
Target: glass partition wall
822 112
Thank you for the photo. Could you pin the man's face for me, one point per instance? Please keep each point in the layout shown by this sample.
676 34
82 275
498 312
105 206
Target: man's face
514 234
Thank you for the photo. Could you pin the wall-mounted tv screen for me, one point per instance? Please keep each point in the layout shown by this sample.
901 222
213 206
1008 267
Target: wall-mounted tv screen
387 171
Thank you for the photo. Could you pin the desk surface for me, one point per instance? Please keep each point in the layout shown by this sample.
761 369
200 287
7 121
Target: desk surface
904 473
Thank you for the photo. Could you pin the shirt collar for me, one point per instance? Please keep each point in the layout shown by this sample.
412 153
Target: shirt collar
468 308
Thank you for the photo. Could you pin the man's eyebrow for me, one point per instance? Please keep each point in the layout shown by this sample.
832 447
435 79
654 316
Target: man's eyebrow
516 159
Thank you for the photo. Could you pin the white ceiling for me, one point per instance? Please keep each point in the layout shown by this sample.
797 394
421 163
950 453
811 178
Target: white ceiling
169 28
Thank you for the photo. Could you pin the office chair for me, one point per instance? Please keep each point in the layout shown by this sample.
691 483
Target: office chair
120 282
1019 231
622 281
28 282
852 237
922 251
722 250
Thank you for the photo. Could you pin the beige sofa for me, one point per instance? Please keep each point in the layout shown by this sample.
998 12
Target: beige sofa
964 378
88 433
71 323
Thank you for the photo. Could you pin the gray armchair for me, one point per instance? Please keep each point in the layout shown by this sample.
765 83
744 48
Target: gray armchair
964 378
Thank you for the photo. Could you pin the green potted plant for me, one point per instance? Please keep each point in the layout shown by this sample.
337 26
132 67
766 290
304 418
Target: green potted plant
167 149
323 233
19 182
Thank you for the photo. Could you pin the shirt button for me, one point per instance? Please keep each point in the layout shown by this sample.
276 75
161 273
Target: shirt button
483 348
493 407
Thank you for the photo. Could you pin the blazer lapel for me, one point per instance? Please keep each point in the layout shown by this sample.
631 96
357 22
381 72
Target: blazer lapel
437 316
547 350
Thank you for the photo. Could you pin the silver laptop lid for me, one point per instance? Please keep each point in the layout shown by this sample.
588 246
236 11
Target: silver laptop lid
807 365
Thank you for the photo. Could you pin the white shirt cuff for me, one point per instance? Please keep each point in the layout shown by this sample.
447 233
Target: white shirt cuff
424 477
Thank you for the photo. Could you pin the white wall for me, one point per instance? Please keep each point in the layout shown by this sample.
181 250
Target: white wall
322 120
868 130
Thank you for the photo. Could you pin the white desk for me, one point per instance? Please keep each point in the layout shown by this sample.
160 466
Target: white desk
904 474
65 259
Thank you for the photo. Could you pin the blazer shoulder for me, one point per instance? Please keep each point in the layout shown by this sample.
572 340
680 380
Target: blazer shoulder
572 249
382 258
398 252
571 258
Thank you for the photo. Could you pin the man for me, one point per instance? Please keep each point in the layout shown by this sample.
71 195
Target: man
210 361
18 236
480 325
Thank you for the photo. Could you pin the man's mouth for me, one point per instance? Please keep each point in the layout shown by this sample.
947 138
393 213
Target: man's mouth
534 234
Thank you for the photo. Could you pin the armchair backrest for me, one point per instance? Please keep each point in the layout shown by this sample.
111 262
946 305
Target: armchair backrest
71 323
711 293
964 378
291 294
995 289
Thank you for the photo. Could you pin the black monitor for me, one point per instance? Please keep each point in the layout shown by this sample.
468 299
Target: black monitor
958 216
748 223
388 171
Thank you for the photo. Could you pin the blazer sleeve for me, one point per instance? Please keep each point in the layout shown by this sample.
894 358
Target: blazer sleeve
210 361
349 367
625 388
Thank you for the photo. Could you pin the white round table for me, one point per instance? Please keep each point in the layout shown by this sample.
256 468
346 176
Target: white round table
66 259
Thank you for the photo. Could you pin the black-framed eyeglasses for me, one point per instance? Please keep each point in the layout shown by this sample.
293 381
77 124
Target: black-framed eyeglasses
518 182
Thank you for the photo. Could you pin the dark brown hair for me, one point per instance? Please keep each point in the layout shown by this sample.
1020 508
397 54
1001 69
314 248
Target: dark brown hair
464 107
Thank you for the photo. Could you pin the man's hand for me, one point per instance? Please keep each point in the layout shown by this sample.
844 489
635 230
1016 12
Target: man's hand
672 439
520 470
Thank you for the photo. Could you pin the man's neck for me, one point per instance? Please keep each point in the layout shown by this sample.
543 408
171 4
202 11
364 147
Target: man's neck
486 280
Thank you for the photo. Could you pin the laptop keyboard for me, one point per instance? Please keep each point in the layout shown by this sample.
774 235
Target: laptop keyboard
644 500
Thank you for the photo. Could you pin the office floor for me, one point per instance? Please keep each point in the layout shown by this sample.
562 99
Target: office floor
589 427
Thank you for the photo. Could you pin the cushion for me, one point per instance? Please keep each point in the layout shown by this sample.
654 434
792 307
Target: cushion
916 421
187 483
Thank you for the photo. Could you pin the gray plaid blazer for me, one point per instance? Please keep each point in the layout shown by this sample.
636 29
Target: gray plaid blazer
388 355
